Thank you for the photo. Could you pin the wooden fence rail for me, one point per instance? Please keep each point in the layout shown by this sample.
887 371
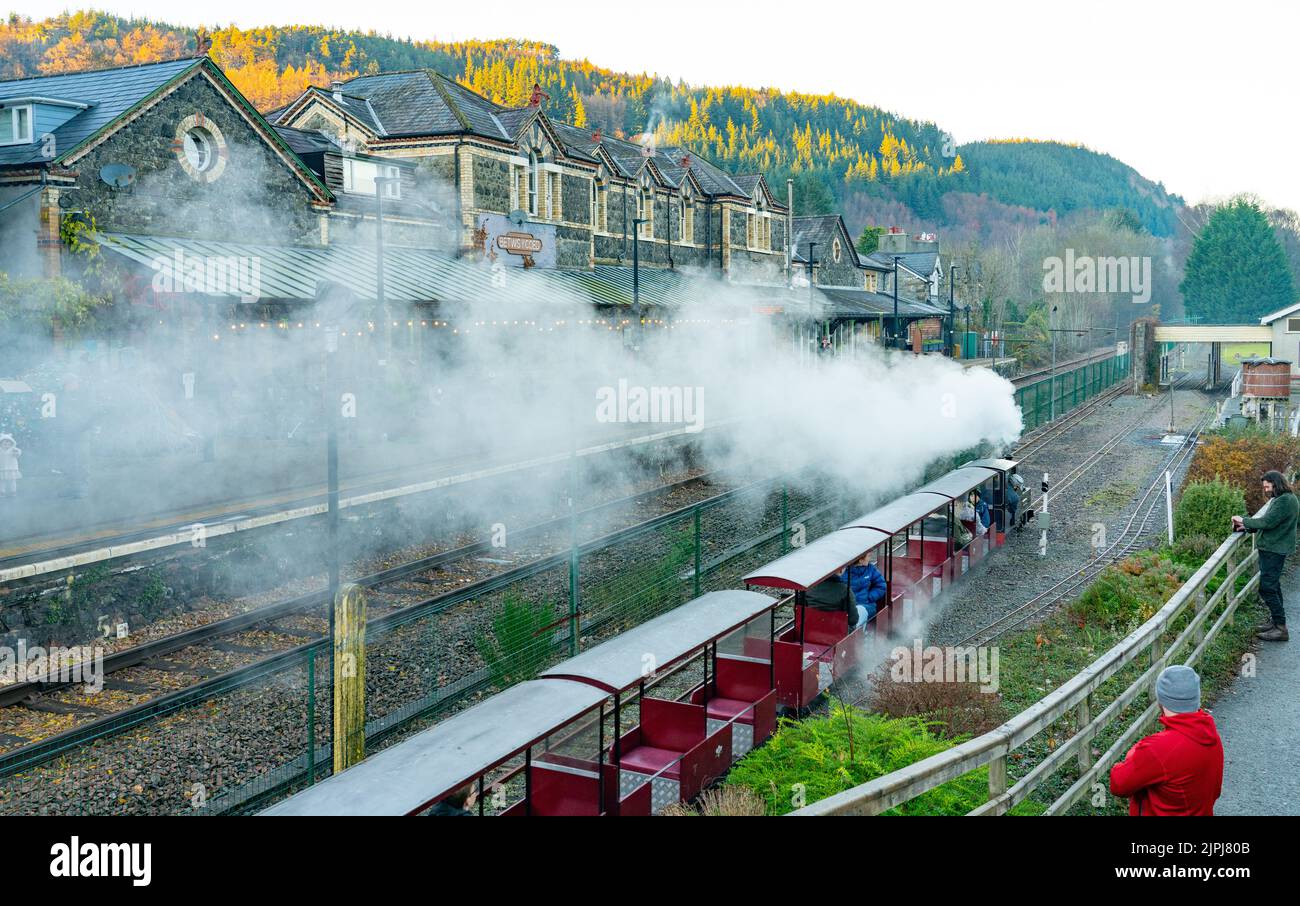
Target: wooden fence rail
1149 642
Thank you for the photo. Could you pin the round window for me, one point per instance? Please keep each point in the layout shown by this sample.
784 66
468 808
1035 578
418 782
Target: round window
200 148
836 251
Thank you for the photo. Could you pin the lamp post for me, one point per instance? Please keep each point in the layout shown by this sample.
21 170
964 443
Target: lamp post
636 280
952 308
1052 329
381 303
809 264
893 329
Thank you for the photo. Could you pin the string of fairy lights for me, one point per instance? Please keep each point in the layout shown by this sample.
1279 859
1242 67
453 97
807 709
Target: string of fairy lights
609 324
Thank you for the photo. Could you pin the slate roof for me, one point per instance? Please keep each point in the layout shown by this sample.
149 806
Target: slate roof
108 92
821 229
920 262
419 102
306 141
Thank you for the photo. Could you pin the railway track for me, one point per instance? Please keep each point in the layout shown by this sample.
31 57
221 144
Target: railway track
40 557
248 641
1030 377
1128 540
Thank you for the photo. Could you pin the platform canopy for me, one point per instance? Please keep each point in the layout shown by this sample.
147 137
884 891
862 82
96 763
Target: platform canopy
958 483
621 662
898 514
412 774
804 567
999 465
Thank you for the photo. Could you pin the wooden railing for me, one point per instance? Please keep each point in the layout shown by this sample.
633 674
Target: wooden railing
1078 695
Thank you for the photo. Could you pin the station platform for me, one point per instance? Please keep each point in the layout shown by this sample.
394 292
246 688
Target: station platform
1259 721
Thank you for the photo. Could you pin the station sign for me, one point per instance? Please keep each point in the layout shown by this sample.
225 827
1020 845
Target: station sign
515 242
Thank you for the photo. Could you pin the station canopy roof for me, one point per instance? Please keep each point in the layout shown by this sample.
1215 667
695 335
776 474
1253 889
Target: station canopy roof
408 776
619 663
849 302
958 482
804 567
292 273
898 514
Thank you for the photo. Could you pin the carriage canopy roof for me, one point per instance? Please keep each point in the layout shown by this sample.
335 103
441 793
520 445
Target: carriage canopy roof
1001 465
957 483
410 775
619 663
804 567
898 514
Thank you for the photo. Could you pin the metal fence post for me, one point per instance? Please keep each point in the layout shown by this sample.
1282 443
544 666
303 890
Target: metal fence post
785 518
311 716
697 550
573 601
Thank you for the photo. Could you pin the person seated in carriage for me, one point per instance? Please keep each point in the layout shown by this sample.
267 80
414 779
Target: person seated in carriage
834 594
868 586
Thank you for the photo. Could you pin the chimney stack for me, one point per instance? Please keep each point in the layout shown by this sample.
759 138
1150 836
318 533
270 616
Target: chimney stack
337 88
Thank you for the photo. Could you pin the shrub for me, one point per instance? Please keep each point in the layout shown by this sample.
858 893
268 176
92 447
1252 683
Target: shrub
521 640
1130 592
954 709
1239 457
1193 550
1206 508
808 760
726 801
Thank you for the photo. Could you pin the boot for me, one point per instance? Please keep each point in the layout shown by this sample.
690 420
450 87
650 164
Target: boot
1276 634
1265 626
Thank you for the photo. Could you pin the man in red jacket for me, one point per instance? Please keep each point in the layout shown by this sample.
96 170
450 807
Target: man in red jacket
1178 771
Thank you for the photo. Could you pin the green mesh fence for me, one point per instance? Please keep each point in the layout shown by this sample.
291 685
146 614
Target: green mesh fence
1039 400
237 744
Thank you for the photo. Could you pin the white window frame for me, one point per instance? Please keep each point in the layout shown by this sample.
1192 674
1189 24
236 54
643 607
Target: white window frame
12 114
1293 325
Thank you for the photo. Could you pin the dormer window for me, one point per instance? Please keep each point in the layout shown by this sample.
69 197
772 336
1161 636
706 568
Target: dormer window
16 125
359 178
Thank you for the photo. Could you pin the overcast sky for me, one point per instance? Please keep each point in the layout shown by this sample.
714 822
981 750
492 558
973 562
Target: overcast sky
1197 95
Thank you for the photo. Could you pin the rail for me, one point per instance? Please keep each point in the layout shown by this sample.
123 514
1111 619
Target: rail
1194 601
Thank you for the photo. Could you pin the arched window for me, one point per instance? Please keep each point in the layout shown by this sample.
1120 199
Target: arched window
646 212
534 172
688 218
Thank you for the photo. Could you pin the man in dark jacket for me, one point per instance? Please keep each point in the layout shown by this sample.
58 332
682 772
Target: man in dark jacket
1275 525
834 594
1178 771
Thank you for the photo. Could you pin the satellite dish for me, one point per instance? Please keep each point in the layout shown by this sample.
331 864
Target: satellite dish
518 216
119 176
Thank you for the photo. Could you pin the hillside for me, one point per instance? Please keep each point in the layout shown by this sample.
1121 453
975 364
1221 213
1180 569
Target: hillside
842 154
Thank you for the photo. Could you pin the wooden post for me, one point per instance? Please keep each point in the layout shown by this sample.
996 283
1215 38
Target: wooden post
997 776
1199 635
1084 719
1157 652
349 677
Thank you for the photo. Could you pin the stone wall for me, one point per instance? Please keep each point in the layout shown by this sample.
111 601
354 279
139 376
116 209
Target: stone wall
257 199
491 184
576 198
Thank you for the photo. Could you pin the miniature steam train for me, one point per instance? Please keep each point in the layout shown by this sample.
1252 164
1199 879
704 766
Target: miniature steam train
652 716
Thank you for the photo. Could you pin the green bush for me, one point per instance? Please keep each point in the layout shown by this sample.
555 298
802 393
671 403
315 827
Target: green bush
521 641
1206 508
1193 550
812 758
1130 592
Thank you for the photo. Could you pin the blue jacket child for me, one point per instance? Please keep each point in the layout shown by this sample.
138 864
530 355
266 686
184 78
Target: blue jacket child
868 586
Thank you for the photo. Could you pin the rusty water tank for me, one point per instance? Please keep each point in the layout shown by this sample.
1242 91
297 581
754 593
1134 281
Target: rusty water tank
1266 377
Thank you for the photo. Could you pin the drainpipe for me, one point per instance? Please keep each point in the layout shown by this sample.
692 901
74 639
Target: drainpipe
789 230
460 212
